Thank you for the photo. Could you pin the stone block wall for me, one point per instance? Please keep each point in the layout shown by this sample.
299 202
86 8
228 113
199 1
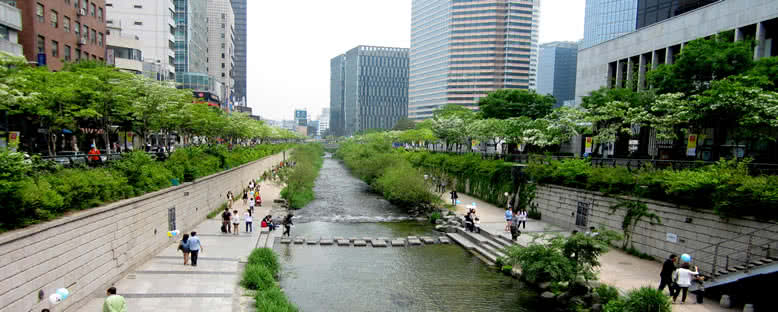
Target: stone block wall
682 229
89 250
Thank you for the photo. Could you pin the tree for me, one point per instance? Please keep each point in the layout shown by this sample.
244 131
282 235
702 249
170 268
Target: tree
404 124
612 113
507 103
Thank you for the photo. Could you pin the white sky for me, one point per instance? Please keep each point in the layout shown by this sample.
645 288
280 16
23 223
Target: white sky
290 44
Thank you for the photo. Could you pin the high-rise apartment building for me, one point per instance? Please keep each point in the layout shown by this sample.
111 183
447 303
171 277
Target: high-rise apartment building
124 51
608 19
153 23
221 47
653 11
463 49
56 32
10 25
241 50
556 70
324 121
369 89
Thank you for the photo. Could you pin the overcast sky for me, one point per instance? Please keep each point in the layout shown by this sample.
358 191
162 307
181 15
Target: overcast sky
290 44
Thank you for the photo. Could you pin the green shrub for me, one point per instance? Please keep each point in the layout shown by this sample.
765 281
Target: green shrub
403 186
216 212
607 293
300 178
644 299
143 173
257 277
434 217
265 257
274 300
506 269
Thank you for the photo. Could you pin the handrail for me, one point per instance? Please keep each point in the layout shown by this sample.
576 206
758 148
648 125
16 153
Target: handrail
734 238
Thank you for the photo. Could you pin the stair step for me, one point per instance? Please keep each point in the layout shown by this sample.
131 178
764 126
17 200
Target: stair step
740 267
730 269
766 260
722 272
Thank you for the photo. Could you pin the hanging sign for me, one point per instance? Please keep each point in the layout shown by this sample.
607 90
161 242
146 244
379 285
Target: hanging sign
588 146
691 146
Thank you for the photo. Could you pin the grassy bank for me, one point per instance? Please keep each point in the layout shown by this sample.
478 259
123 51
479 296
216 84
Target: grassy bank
259 275
372 159
307 160
35 191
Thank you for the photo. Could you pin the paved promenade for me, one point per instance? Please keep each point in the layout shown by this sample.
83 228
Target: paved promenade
164 283
618 268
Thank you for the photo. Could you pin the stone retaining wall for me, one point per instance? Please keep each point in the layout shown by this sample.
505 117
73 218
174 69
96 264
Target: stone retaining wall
697 231
89 250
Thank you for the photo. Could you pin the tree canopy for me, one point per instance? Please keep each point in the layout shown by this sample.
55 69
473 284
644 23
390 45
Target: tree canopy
507 103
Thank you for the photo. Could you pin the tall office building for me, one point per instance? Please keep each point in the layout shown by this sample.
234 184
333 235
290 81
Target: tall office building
463 49
192 45
653 11
324 120
556 70
56 32
154 24
241 50
221 47
369 89
608 19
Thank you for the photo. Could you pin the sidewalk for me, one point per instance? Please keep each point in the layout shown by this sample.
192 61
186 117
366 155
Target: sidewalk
165 284
617 268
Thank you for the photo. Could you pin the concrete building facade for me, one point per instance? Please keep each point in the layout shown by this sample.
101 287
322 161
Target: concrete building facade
653 11
556 70
153 23
608 19
192 47
324 121
612 63
124 51
239 8
374 88
10 26
337 76
56 32
461 50
221 47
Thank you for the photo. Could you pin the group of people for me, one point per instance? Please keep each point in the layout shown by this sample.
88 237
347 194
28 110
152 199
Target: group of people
472 221
680 279
190 246
514 221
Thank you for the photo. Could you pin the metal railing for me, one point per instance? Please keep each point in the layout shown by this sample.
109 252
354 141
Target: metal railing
739 251
81 159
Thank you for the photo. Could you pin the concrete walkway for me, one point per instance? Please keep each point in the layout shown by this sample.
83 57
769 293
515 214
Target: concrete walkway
164 283
617 269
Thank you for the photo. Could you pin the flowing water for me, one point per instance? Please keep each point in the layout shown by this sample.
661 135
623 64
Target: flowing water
427 278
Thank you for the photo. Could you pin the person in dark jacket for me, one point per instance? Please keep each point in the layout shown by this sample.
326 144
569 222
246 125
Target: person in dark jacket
666 276
287 223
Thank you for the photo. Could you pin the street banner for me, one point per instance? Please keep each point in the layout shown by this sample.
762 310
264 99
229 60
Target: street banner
588 146
475 143
691 146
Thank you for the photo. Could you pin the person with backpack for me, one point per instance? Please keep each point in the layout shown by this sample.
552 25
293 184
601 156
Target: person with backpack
183 246
226 221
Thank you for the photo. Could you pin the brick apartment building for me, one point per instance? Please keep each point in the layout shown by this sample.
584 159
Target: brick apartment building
59 31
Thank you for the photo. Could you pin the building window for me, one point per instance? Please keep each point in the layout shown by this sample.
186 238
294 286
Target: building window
138 23
100 14
137 6
222 65
67 53
86 56
222 25
93 37
100 39
54 48
67 1
66 23
222 55
78 54
4 33
77 29
85 32
222 35
222 45
54 18
223 17
83 6
92 9
39 12
41 45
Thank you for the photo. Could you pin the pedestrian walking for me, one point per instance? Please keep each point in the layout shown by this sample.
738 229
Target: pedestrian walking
183 246
522 218
114 302
515 232
229 199
252 203
226 221
249 220
251 184
245 197
195 247
235 222
683 277
666 275
287 223
454 197
698 288
508 218
443 184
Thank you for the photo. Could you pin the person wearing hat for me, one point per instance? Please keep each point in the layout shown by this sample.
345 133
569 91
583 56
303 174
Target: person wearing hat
94 154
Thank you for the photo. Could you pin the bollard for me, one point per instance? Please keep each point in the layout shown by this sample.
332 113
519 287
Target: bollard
748 308
725 302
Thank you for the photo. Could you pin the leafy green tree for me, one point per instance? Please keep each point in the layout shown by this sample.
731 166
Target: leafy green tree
404 124
612 113
507 103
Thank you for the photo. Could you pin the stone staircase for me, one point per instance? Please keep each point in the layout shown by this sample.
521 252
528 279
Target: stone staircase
486 246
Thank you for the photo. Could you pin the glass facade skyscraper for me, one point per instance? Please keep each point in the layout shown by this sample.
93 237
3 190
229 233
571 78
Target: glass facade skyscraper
239 7
557 70
192 44
608 19
369 89
463 49
654 11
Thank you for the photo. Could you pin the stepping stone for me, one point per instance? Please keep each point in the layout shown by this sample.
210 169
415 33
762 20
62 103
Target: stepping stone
444 240
325 242
367 239
351 239
414 242
299 240
343 242
285 241
383 239
378 243
337 238
359 243
311 242
398 243
412 237
427 240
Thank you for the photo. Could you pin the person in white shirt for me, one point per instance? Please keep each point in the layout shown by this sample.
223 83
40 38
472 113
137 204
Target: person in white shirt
235 222
248 219
522 215
683 277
